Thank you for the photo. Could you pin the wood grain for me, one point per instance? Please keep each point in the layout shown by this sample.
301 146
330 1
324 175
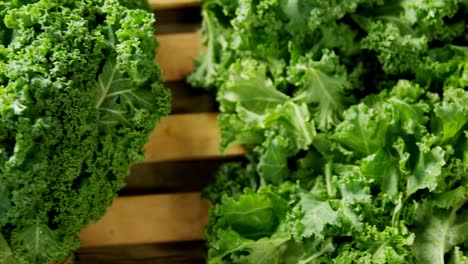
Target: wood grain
176 53
149 219
169 4
187 136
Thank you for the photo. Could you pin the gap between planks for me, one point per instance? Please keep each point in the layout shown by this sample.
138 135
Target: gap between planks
172 176
187 137
171 4
149 219
193 252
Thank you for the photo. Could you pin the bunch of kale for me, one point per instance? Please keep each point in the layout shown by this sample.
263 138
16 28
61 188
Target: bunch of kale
356 116
79 94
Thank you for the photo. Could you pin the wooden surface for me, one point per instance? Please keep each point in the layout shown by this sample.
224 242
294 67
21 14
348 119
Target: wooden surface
176 53
149 219
187 136
193 252
166 4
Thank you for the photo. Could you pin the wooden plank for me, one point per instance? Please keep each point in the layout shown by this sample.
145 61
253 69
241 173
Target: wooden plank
176 53
169 4
149 219
187 136
166 253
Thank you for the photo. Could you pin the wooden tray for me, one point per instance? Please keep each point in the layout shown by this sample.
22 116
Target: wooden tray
160 216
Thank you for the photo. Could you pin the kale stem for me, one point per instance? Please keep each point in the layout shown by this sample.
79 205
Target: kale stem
330 190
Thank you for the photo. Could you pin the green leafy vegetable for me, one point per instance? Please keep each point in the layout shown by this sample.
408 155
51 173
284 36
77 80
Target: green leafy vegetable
356 117
79 94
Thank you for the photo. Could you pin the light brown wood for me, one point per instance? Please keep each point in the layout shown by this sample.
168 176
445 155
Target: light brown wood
176 53
149 219
187 136
169 4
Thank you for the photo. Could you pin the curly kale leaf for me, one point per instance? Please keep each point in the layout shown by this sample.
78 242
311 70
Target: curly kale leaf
216 38
355 116
80 93
398 53
250 102
439 230
400 199
323 83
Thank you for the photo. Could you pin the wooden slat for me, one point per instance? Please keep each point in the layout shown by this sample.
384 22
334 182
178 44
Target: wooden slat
187 136
149 219
169 4
176 53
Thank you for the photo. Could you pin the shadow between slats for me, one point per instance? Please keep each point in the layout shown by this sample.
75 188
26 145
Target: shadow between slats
186 99
173 176
167 253
178 20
